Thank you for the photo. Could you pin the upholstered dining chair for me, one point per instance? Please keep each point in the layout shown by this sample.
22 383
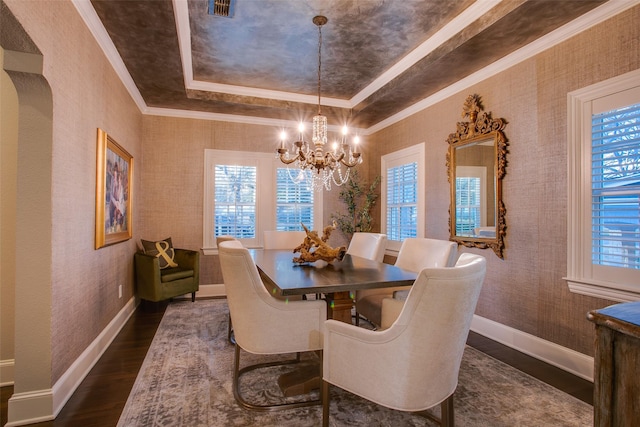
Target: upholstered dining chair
414 364
220 239
263 324
273 239
370 246
415 255
285 240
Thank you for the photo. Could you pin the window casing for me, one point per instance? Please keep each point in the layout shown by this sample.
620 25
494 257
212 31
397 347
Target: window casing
604 190
402 201
246 193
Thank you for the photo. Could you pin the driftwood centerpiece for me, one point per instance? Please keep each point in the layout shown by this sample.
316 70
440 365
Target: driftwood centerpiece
322 250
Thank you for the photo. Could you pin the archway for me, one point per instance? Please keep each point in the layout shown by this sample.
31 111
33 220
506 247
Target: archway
32 400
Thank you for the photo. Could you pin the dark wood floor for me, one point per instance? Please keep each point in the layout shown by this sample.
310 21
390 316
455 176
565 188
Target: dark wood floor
101 397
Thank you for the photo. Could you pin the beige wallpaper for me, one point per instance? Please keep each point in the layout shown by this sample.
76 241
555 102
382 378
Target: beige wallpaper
87 94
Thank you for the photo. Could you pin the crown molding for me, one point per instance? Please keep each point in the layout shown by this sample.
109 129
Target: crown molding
578 25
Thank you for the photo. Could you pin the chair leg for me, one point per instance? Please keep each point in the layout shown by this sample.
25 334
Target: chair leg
230 336
193 297
446 409
237 373
324 392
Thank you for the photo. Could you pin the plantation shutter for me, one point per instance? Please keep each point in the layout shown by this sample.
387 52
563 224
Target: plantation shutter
615 187
294 201
468 208
402 201
235 201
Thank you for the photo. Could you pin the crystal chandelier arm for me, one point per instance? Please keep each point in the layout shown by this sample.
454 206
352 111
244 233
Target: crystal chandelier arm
355 160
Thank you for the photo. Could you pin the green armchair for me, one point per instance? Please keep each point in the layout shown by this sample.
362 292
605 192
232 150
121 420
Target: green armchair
155 284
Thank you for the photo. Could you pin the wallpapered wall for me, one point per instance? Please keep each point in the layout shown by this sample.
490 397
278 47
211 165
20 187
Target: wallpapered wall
87 94
525 290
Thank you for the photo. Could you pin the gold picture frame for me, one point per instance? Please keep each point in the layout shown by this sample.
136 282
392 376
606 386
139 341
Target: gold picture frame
114 180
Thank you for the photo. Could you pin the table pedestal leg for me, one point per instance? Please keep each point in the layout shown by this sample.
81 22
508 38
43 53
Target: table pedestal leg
305 379
339 305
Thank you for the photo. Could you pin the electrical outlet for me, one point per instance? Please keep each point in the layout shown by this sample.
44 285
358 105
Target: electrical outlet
120 291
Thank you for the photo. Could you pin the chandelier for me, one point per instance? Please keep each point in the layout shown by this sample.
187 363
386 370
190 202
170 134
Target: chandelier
320 168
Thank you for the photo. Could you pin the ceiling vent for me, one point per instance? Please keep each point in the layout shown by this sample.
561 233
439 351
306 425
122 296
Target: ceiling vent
223 8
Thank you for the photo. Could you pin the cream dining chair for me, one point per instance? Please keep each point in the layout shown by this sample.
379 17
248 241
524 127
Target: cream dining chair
370 246
273 239
263 324
414 364
285 240
415 254
220 239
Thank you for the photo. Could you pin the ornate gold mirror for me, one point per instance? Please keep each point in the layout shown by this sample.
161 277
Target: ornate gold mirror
476 163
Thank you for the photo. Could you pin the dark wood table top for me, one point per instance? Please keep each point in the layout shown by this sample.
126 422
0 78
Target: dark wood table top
277 268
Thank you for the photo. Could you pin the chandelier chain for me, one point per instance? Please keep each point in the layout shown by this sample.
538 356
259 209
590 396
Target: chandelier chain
319 64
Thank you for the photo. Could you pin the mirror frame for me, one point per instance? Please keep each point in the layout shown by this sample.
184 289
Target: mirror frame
480 127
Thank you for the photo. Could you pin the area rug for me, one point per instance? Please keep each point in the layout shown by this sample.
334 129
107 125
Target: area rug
185 381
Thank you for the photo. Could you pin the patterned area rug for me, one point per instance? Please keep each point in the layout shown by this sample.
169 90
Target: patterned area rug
185 381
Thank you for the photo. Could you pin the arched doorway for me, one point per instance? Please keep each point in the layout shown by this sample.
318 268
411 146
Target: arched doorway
33 398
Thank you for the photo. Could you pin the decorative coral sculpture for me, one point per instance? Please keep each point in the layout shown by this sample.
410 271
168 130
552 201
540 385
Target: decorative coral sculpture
315 248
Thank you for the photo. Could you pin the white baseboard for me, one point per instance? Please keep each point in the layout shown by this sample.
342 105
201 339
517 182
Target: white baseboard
6 372
564 358
30 408
44 405
207 291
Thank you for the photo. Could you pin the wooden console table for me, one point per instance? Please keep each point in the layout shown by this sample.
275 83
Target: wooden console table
616 399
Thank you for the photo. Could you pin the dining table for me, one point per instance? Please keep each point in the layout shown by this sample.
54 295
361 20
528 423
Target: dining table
337 280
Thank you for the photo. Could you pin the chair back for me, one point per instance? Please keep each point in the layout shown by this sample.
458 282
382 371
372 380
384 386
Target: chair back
417 254
416 365
224 238
368 245
262 324
283 239
434 324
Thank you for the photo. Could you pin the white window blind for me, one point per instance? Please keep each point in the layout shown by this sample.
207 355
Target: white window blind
403 195
294 201
468 207
615 182
402 201
235 201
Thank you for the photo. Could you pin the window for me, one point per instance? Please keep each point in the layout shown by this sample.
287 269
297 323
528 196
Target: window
604 189
403 195
294 200
235 201
248 193
471 199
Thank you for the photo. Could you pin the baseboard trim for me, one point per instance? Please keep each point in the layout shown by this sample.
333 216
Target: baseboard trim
564 358
30 408
207 291
71 379
44 405
6 372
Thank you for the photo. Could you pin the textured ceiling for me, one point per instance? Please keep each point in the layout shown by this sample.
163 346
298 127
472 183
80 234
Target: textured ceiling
262 62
